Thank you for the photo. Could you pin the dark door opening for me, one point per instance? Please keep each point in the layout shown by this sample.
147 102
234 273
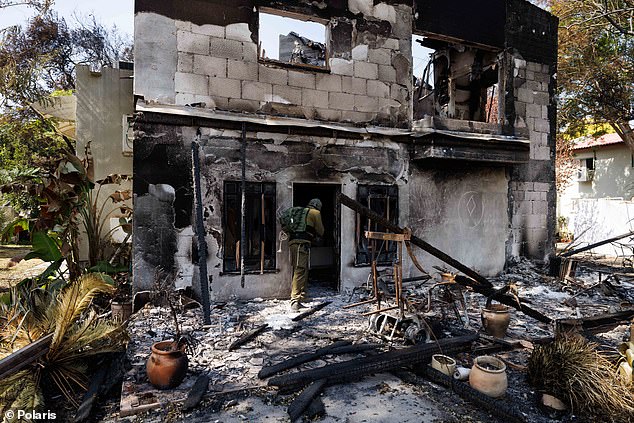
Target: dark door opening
324 254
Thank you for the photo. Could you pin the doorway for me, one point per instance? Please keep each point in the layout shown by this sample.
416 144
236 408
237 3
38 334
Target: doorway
324 254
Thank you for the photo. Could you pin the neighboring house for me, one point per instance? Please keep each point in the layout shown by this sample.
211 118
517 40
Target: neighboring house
598 203
99 113
104 109
479 190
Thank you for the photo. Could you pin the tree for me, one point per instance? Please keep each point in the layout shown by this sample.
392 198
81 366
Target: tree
596 64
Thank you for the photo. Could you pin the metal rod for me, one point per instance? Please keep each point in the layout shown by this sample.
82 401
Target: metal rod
369 313
596 244
200 236
360 303
243 226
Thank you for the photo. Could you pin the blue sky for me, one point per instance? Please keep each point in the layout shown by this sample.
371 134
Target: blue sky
111 12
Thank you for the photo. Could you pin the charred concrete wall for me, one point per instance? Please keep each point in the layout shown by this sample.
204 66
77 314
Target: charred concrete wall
531 36
212 58
462 210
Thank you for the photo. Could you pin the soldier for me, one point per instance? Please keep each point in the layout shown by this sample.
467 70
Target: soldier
299 245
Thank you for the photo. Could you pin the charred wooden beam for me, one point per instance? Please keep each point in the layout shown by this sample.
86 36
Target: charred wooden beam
310 311
499 407
24 356
303 400
505 299
83 412
340 347
366 212
352 370
596 244
247 337
267 371
197 392
595 324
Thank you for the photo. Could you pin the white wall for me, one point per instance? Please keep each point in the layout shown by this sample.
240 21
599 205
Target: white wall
601 207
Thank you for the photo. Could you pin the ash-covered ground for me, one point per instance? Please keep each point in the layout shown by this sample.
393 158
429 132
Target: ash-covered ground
236 394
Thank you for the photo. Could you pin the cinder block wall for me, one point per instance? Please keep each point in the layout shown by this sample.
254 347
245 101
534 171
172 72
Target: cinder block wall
532 34
369 77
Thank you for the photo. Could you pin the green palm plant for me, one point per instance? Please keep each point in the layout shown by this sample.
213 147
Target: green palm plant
78 335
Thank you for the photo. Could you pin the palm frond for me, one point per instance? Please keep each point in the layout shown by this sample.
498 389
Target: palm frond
20 391
73 301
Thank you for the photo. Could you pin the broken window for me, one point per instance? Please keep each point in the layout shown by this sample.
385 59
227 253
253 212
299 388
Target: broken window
383 200
457 81
260 226
292 39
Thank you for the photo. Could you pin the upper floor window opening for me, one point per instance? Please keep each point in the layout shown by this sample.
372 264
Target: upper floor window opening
455 81
292 39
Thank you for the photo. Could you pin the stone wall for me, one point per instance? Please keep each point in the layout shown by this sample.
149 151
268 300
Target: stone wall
369 77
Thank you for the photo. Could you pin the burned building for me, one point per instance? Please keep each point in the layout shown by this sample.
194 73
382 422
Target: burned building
462 153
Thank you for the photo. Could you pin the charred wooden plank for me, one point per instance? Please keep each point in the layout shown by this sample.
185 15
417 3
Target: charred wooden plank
247 337
24 356
196 393
310 311
83 412
352 370
267 371
595 324
340 347
506 299
303 400
366 212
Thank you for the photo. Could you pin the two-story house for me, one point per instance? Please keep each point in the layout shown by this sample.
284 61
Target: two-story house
462 153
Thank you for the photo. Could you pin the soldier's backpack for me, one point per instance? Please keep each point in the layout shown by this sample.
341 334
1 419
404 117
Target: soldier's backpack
293 219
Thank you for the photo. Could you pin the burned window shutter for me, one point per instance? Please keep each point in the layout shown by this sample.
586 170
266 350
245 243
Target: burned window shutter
383 200
260 226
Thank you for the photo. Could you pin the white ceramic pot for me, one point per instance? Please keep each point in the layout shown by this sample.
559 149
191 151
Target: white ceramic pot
444 364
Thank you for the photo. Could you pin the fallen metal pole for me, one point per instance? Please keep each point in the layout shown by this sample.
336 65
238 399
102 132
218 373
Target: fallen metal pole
596 244
310 311
366 212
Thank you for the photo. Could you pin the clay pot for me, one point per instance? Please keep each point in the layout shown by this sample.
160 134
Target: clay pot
167 366
121 310
444 364
488 375
496 319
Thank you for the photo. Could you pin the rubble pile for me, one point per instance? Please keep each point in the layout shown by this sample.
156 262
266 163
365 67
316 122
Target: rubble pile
412 392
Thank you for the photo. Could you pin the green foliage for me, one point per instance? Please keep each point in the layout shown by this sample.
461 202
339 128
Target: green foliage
596 64
44 247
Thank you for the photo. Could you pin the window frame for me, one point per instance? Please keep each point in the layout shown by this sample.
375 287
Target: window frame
232 192
298 17
363 255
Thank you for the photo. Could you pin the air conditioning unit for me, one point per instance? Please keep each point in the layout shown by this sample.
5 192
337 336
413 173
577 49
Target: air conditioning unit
128 135
584 174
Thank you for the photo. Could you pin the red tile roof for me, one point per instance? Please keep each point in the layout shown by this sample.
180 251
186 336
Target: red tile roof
588 142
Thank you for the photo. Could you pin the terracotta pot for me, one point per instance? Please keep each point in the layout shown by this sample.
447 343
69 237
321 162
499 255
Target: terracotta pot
444 364
121 310
166 367
496 319
488 375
